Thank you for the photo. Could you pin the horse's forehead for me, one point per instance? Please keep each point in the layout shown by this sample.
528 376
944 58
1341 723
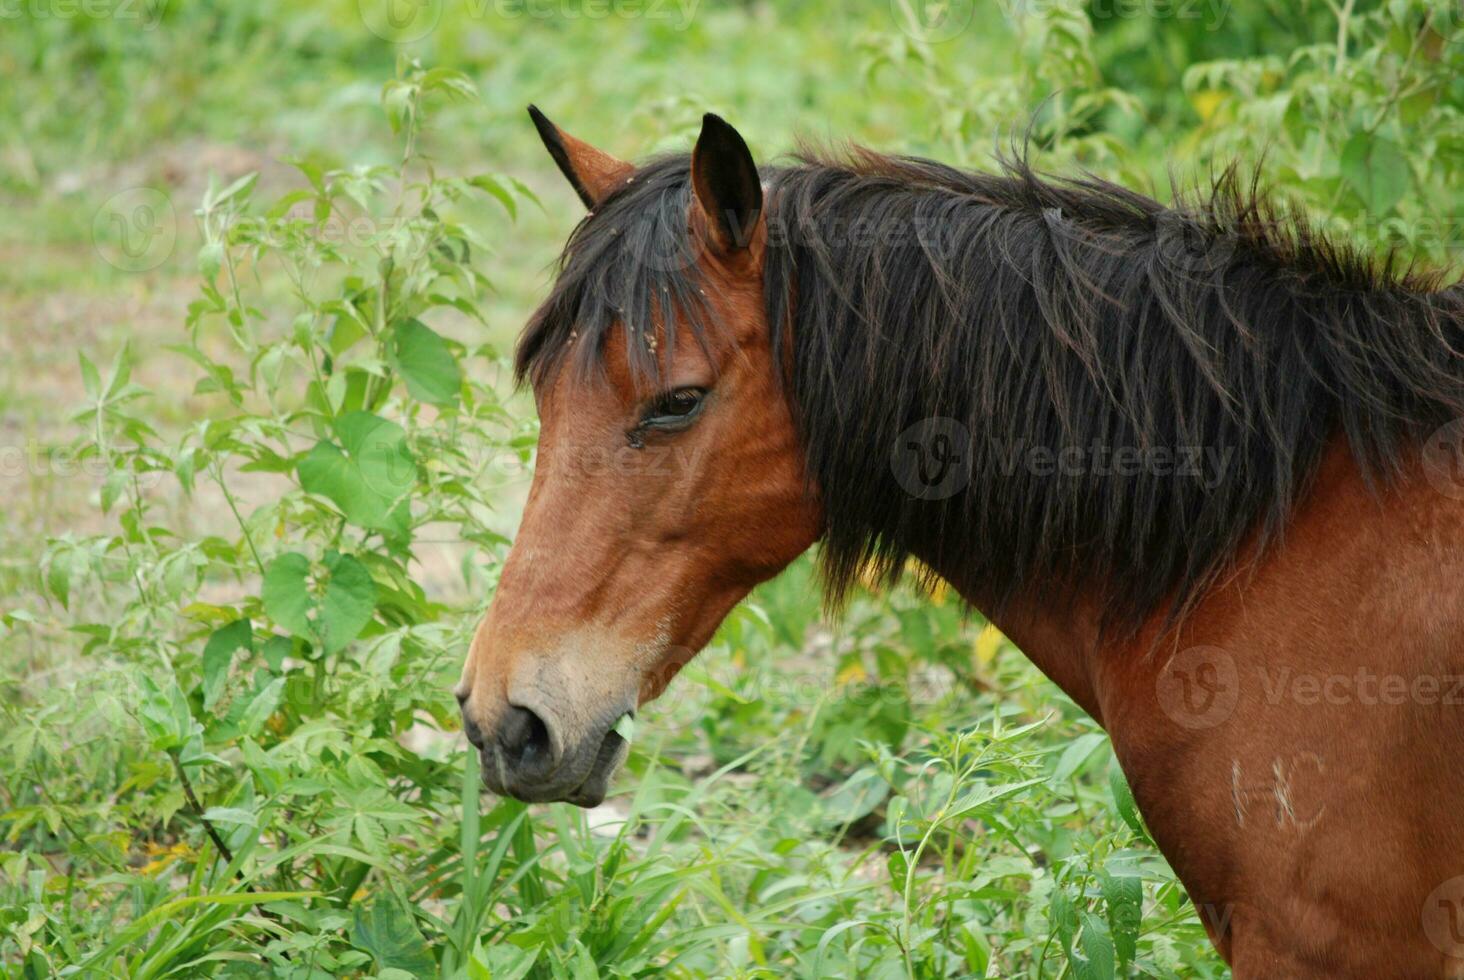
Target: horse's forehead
614 382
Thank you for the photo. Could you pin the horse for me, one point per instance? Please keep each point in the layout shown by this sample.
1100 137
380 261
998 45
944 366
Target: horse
1199 461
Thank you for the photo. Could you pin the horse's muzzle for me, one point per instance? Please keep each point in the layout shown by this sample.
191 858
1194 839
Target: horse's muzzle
525 754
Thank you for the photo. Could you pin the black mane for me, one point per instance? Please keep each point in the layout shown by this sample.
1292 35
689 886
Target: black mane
1037 315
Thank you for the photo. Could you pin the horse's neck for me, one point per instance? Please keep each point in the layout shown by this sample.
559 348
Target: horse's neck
1061 642
1349 556
1302 726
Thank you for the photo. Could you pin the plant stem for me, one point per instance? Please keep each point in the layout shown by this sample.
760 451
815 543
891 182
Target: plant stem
198 811
218 475
1343 19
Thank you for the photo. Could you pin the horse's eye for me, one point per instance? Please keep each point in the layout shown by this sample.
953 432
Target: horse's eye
674 407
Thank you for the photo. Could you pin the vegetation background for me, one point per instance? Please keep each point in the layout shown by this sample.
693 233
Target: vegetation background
260 457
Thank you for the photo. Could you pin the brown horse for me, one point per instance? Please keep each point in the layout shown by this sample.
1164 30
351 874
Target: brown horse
1198 463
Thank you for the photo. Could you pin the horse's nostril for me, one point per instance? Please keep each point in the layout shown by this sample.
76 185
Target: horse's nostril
474 733
524 737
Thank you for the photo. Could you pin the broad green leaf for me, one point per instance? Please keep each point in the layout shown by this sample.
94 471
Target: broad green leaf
1123 801
1124 896
985 796
90 381
976 946
333 609
1377 170
344 330
218 653
369 833
261 707
368 474
1076 754
61 569
211 260
240 188
396 99
492 185
856 797
388 932
1095 962
451 81
1064 918
583 966
275 650
502 961
350 599
165 715
286 592
898 866
234 816
425 362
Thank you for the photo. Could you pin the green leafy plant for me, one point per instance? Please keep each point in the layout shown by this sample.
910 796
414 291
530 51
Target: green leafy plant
262 674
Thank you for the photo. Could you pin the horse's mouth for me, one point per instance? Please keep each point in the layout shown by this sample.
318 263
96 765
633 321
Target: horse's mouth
567 785
592 791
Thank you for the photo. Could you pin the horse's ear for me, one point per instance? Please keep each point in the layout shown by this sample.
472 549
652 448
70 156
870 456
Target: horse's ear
727 187
592 173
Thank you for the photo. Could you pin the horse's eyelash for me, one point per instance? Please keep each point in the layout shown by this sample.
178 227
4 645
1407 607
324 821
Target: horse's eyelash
635 436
